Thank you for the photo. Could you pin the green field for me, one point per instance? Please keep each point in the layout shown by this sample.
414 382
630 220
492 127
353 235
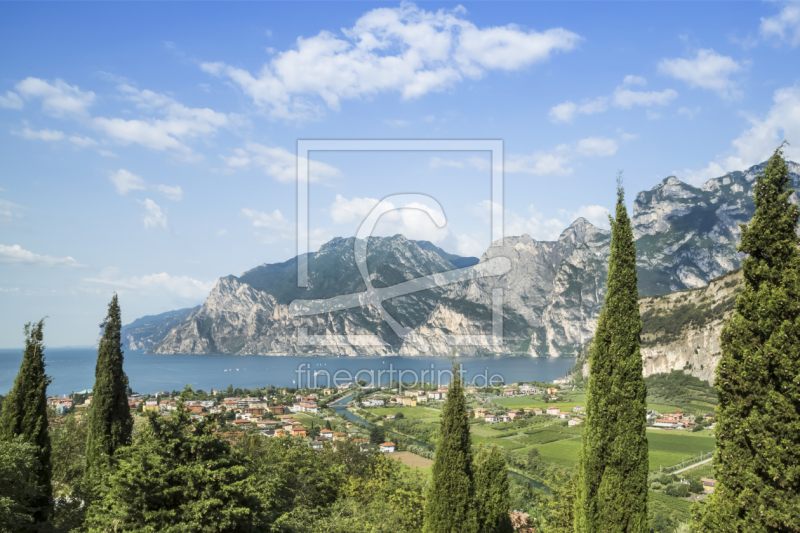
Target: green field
669 447
562 452
411 413
518 402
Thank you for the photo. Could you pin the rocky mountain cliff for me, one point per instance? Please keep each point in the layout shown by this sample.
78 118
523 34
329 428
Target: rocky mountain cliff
680 331
144 333
685 237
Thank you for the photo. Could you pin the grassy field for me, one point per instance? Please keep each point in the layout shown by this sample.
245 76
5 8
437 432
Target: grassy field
426 413
558 444
669 447
535 400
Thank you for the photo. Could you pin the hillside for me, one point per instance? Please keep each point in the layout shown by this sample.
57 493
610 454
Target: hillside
680 331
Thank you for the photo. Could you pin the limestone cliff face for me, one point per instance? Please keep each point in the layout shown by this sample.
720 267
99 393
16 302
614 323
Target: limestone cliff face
682 330
686 235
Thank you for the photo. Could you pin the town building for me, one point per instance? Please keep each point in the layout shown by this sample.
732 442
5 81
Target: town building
387 447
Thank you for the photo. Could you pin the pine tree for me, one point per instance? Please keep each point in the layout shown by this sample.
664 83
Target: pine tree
24 417
611 491
450 506
110 422
757 461
492 497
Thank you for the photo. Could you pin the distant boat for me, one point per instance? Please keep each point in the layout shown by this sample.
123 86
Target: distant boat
319 373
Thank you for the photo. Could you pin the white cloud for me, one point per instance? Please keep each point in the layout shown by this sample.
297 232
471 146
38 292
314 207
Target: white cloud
558 161
178 124
407 50
106 153
41 135
274 220
630 79
82 142
397 123
11 101
534 223
785 26
566 112
344 211
627 98
652 115
757 143
623 97
9 211
689 112
174 193
126 181
597 147
278 227
708 70
16 255
596 214
182 286
278 163
153 216
59 98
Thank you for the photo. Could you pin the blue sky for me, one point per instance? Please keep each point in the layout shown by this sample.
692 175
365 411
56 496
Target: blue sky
149 148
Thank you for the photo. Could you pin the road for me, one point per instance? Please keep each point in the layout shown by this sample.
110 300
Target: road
693 466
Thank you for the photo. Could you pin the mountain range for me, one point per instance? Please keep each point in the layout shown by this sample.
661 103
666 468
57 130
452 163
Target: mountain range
685 237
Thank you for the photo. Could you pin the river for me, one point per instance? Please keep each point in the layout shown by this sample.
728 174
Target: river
72 369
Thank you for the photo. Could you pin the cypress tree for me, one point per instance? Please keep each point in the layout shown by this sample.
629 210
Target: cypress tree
109 422
611 491
25 413
492 497
450 506
757 461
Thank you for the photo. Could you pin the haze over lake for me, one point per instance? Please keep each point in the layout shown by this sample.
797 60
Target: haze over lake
72 369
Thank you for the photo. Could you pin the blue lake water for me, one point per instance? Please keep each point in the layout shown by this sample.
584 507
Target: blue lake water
72 369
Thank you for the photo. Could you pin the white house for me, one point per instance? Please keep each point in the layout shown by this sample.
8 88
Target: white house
373 402
387 447
575 422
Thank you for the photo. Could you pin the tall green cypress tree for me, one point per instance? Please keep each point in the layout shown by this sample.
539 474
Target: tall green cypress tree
110 423
492 497
25 412
757 461
611 491
450 506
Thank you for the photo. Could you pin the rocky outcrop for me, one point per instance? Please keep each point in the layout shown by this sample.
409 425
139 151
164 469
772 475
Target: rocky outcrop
681 331
686 236
143 334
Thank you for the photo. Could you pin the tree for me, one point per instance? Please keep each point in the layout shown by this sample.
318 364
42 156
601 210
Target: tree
450 498
177 476
20 488
25 413
328 425
110 422
611 492
377 435
492 491
757 461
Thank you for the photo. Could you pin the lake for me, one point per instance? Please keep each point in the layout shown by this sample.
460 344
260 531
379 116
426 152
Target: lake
72 369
